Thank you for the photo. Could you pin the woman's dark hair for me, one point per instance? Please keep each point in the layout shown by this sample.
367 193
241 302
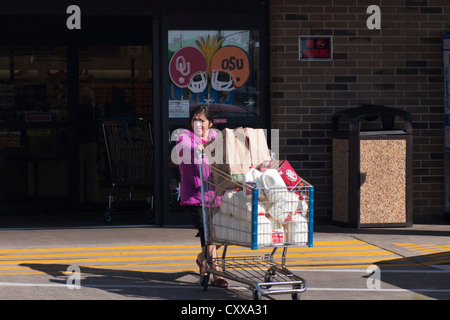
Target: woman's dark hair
203 108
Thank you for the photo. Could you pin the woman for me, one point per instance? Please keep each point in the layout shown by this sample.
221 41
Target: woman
201 121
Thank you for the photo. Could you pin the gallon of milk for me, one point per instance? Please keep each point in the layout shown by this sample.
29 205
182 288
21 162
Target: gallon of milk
271 179
238 206
296 230
264 230
277 234
252 180
226 203
218 228
227 224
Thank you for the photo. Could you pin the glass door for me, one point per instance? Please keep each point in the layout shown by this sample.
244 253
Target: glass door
33 124
118 79
223 67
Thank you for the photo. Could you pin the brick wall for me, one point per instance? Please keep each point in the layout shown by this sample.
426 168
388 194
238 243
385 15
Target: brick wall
399 65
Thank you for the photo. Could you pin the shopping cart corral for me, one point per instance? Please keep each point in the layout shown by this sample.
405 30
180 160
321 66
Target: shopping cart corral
129 146
256 218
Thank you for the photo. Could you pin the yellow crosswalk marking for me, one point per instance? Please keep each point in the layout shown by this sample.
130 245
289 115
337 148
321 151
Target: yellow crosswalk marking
174 258
437 254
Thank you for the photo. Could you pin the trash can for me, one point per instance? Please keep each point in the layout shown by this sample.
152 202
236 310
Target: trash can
372 167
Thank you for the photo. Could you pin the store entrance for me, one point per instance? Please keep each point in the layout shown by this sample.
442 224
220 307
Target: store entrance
55 95
115 89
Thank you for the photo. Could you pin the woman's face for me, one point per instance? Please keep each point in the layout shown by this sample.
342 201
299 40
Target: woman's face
200 125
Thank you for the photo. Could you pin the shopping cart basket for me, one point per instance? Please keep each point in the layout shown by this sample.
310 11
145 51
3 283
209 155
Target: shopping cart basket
255 218
129 145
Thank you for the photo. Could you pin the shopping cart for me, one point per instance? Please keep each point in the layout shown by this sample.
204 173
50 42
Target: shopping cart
129 145
276 218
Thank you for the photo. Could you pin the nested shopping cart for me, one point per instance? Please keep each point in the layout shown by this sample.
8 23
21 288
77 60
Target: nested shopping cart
129 146
257 218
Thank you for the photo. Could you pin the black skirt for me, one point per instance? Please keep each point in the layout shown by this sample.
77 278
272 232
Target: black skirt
196 214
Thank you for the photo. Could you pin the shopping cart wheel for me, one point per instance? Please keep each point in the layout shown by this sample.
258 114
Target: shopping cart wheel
257 295
107 215
268 277
295 295
150 216
204 281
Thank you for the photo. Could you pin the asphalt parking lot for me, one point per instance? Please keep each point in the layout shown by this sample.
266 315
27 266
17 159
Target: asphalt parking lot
154 263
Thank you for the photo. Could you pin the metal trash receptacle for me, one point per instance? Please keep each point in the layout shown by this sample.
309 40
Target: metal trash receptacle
372 167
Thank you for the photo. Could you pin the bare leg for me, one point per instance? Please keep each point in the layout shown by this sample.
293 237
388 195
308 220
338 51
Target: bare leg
212 252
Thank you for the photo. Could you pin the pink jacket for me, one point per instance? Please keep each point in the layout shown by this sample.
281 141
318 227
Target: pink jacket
190 193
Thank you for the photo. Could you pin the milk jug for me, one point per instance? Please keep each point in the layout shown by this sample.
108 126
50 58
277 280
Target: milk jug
244 225
227 225
277 234
296 230
252 180
237 206
226 202
303 207
271 179
217 223
281 210
264 230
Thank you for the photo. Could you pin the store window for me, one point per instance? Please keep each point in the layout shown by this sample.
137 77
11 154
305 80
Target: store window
33 115
33 84
121 75
216 67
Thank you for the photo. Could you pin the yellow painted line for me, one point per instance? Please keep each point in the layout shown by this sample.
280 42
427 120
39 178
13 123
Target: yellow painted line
168 266
326 264
72 249
88 254
428 251
189 265
47 261
171 252
100 271
167 247
158 256
165 258
343 242
425 248
440 249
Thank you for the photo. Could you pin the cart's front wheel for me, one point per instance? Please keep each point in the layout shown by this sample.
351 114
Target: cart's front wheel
204 281
268 277
107 216
150 216
257 295
295 295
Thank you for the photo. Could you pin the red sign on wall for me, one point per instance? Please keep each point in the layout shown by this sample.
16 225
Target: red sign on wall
315 48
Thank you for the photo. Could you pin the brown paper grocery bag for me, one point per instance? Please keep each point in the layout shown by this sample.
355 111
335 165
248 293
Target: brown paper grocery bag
257 145
226 156
242 148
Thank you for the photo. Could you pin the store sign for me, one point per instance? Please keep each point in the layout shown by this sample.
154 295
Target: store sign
214 68
315 48
178 108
